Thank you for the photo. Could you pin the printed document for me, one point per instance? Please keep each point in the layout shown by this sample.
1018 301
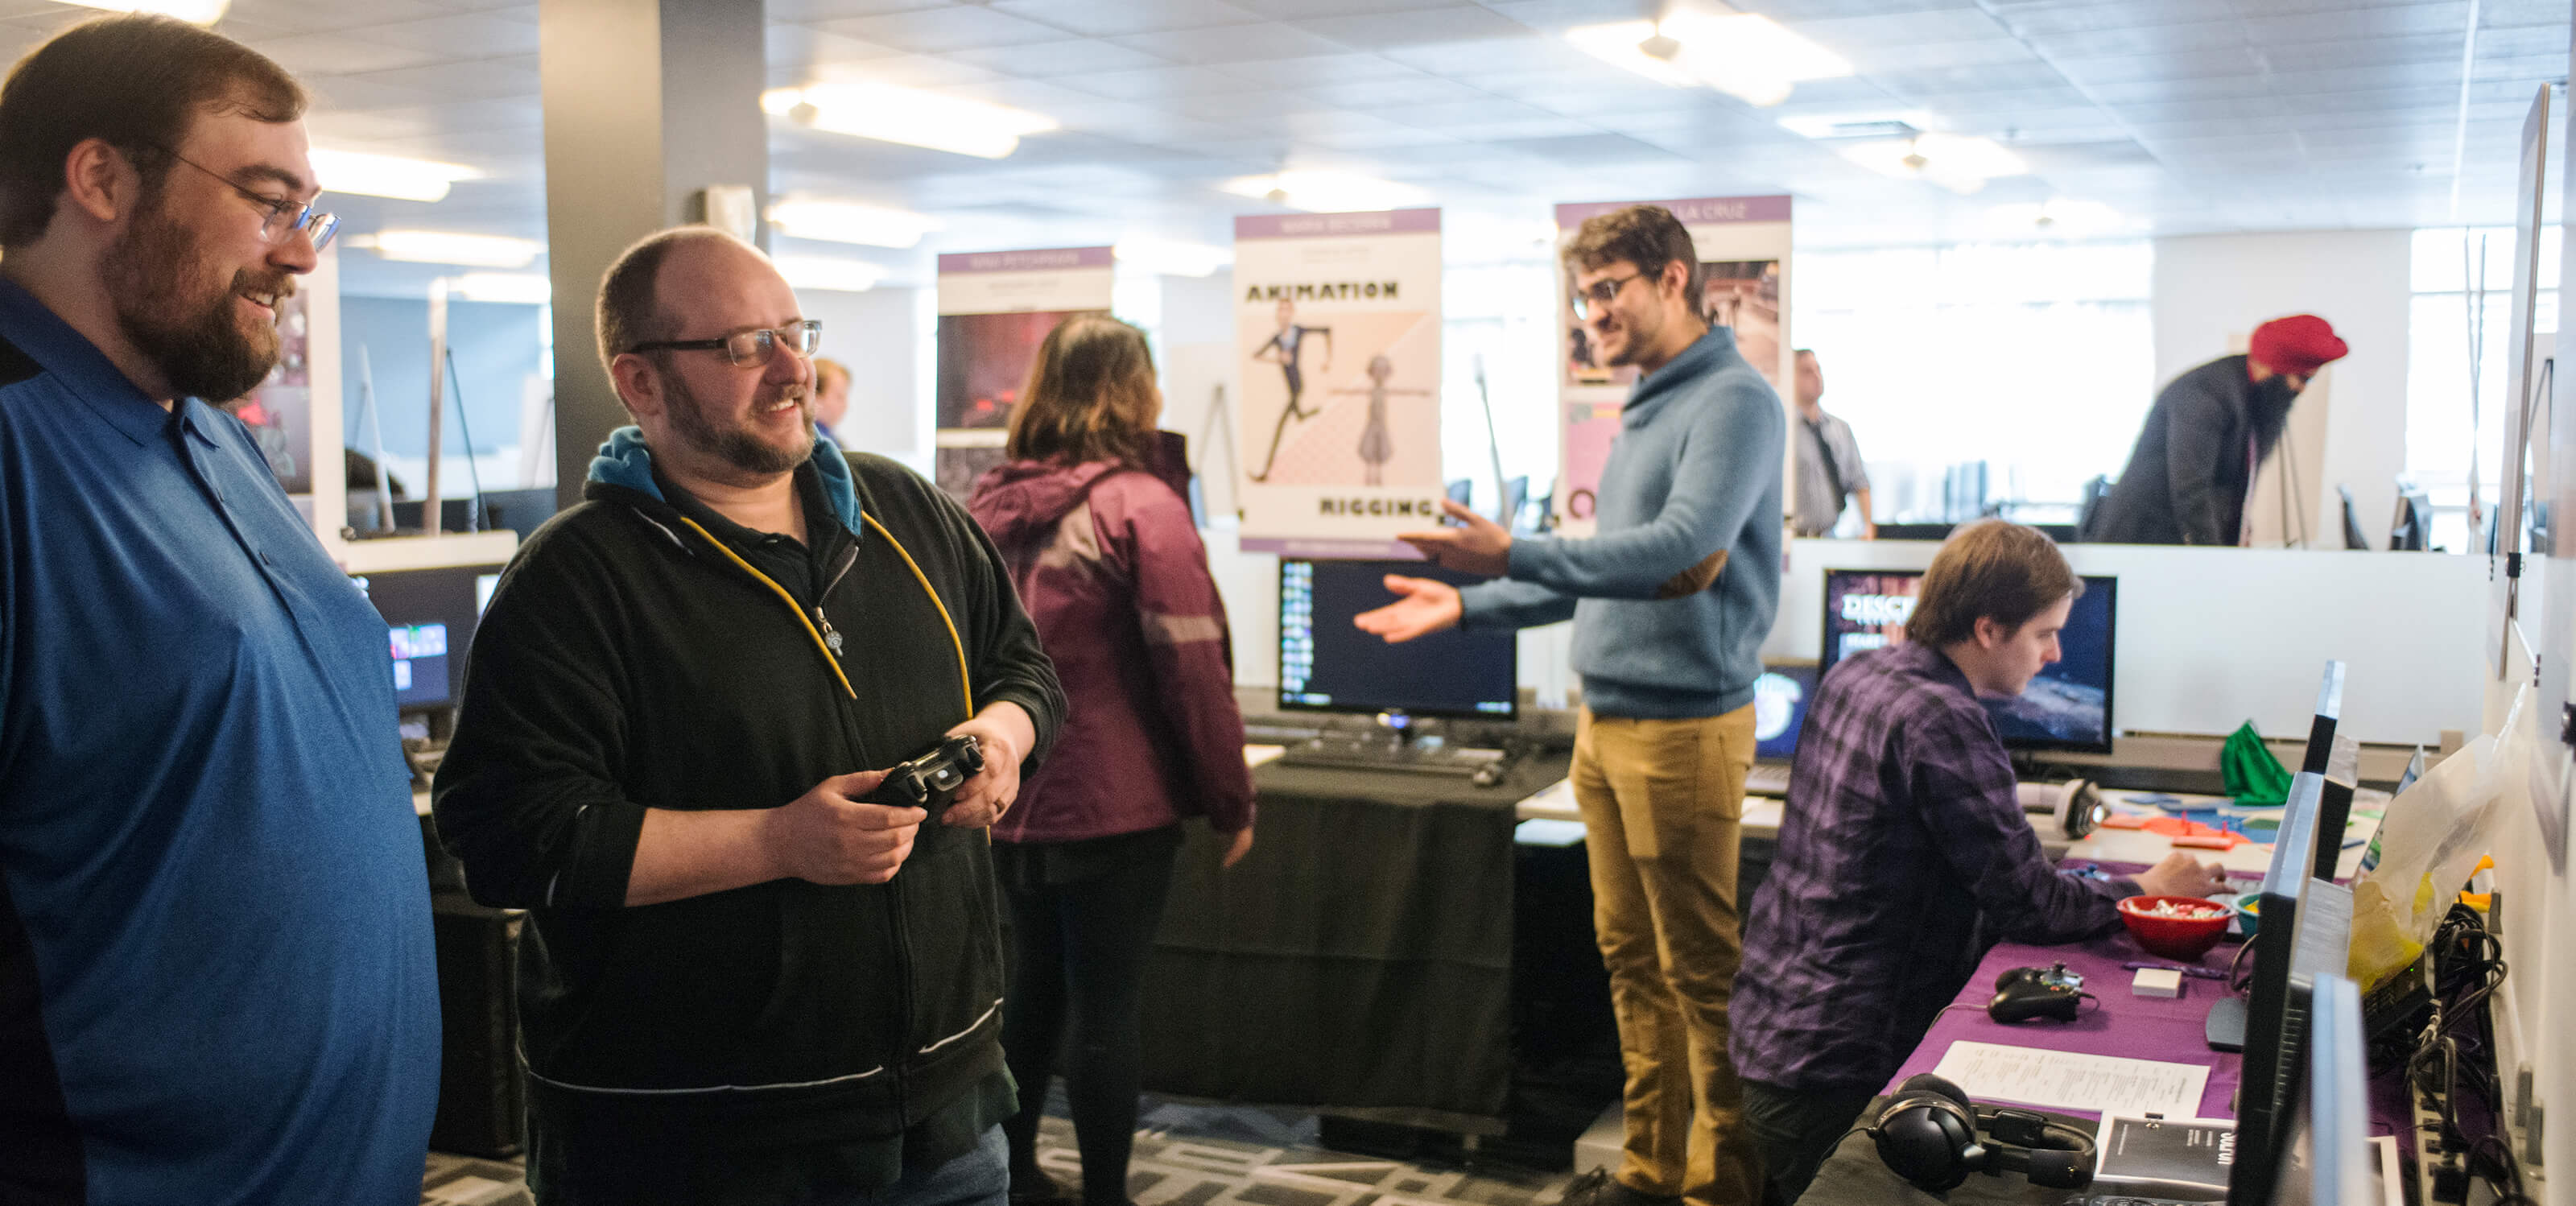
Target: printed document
2068 1080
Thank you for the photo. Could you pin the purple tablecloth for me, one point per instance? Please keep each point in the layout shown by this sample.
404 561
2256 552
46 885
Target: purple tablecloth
2126 1025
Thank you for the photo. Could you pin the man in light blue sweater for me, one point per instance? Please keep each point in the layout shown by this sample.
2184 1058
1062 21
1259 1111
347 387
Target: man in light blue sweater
1671 600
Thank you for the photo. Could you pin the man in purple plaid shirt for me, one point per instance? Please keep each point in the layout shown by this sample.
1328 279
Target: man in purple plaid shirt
1904 853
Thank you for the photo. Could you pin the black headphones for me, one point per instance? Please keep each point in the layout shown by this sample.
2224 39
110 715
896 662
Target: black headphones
1927 1134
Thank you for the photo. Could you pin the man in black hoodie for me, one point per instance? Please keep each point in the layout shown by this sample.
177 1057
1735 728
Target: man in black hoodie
744 984
2208 434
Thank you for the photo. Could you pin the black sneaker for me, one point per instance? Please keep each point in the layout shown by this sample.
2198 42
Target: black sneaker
1599 1188
1032 1187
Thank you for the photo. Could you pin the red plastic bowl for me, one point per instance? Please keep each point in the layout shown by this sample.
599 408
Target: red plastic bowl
2175 937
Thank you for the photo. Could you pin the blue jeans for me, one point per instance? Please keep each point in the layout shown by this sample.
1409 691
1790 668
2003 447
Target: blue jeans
981 1177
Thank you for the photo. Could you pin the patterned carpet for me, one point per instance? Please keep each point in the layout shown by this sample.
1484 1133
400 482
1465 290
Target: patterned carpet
1186 1155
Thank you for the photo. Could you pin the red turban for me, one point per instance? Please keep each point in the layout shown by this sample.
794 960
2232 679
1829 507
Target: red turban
2298 345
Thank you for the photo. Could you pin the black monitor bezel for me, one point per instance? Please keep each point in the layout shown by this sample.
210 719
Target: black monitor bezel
1279 657
1826 659
457 650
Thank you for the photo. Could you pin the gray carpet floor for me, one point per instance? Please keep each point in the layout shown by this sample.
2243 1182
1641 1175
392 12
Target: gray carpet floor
1186 1155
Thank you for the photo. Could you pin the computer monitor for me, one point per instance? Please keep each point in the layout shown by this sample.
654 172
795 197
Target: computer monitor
2325 1144
2306 934
2335 800
1780 699
2068 707
429 617
2412 529
1327 664
2353 538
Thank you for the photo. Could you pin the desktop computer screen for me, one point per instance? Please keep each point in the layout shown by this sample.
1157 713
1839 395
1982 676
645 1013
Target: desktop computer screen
1780 699
1328 664
2068 707
429 618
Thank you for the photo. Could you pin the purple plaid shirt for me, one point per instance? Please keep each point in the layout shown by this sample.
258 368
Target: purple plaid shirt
1903 856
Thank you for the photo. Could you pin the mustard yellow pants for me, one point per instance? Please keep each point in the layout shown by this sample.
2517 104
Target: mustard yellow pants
1663 805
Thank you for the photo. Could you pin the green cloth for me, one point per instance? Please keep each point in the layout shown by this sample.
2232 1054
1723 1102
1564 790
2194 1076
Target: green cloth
2251 773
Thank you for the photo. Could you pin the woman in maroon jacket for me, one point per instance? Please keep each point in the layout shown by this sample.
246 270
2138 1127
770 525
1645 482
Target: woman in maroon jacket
1110 566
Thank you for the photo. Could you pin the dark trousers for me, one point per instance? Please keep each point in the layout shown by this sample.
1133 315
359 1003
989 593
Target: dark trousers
1796 1131
1083 916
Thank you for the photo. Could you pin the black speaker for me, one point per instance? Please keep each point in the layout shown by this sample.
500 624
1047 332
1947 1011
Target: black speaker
482 1103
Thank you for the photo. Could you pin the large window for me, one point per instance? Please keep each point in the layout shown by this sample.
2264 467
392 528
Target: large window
2027 366
2463 300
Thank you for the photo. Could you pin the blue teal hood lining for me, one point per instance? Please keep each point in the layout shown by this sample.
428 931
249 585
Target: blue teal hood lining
624 461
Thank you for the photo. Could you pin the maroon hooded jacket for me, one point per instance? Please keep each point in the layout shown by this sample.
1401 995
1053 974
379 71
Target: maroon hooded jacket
1109 565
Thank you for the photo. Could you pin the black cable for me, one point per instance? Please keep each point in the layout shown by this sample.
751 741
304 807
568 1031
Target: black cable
473 473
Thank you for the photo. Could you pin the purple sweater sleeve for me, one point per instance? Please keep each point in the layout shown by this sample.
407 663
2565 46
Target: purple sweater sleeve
1192 654
1969 803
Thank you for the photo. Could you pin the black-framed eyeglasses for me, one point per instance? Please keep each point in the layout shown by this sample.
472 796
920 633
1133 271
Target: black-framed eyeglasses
1602 293
284 217
748 349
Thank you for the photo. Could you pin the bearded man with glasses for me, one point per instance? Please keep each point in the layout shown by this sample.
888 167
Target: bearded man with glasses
217 981
1671 600
749 979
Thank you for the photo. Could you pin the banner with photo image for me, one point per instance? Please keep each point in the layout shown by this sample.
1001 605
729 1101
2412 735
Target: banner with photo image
1337 334
1743 246
995 308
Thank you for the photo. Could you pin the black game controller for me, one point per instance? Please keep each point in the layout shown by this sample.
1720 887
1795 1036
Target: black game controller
2041 976
2021 1002
931 780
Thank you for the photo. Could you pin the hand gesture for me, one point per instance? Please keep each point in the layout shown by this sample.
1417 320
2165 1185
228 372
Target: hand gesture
982 800
1424 606
1240 845
2182 875
828 836
1480 546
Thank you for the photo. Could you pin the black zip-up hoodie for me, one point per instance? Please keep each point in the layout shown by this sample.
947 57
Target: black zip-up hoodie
628 661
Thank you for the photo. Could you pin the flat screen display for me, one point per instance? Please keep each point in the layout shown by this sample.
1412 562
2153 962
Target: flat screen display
429 619
1327 664
1780 699
2067 707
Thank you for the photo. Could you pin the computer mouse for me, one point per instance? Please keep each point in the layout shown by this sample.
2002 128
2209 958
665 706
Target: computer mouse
1489 774
2022 1002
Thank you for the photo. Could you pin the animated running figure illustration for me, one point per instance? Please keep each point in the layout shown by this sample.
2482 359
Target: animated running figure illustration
1375 448
1282 350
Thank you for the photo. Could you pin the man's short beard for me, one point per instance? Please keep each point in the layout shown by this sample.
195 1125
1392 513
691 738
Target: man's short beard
197 344
735 447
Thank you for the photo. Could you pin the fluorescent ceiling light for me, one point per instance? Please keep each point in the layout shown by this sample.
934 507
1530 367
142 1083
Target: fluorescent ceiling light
200 12
1957 163
821 272
387 175
850 222
1748 56
1327 192
441 247
525 288
888 113
1901 124
1165 258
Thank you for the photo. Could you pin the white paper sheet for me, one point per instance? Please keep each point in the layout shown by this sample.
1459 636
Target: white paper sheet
2067 1080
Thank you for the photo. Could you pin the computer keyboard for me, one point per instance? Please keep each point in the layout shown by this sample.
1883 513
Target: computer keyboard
1419 758
1767 779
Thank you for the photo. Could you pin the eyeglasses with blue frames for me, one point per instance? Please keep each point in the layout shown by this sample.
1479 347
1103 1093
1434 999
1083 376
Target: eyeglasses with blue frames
284 218
748 349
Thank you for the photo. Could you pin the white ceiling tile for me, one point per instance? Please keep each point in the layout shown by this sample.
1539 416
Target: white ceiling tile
2140 41
939 30
340 54
2035 20
834 10
1991 52
1298 10
476 79
1156 83
1413 94
908 70
2230 62
1483 56
1320 71
1094 19
804 45
1382 31
461 36
1963 24
1074 56
1232 43
1928 82
1484 111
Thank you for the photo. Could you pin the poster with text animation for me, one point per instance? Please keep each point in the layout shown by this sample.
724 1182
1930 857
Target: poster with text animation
1337 334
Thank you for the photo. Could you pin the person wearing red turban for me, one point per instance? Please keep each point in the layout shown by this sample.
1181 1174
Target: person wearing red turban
2208 434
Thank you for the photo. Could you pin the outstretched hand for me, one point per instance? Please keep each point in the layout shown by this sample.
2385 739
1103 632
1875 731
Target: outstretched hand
1423 606
1479 546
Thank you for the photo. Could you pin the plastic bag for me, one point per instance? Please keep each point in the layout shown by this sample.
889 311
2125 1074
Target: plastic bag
2430 843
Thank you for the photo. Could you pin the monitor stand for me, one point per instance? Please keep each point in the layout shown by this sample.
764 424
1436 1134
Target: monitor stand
2225 1029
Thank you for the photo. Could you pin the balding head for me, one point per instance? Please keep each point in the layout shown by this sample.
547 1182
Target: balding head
630 310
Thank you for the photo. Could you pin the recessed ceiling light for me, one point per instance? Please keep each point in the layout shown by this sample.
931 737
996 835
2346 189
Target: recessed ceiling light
443 247
1904 123
198 12
827 273
851 222
386 175
1748 56
1327 192
888 113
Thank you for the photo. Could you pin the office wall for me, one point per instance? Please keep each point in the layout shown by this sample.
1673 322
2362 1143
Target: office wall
499 352
2210 289
880 335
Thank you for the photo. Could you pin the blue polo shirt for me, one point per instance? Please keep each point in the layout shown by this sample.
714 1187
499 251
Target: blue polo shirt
216 975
